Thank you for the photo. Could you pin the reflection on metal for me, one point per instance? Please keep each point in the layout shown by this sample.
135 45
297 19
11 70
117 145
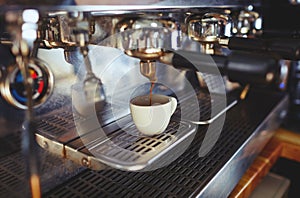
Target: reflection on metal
210 121
208 29
244 93
285 67
295 2
146 39
12 88
148 69
235 167
248 23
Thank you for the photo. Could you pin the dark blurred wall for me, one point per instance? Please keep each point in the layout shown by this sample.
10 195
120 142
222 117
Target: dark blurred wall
281 18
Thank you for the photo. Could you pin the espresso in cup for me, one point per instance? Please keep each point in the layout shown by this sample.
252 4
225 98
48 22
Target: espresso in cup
152 118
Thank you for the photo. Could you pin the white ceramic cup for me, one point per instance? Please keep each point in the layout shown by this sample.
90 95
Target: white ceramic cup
154 119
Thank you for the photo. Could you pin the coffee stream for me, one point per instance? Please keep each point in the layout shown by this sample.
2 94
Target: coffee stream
150 95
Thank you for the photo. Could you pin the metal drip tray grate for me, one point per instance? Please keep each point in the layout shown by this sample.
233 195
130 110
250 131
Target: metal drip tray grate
118 143
124 147
53 171
189 174
204 105
127 149
57 124
12 176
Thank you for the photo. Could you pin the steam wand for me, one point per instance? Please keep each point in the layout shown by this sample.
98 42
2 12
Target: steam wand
29 144
21 50
92 85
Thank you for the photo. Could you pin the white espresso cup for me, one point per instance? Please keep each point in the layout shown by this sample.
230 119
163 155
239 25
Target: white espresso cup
152 119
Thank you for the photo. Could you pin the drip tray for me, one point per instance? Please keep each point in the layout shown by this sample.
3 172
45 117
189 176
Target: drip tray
122 147
116 142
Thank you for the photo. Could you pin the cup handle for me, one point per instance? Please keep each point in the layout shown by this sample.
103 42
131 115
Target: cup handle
173 105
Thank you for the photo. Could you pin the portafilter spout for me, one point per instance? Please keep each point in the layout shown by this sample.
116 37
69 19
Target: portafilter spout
148 69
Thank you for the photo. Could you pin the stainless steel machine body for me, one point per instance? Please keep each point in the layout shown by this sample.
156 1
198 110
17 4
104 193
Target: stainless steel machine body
84 63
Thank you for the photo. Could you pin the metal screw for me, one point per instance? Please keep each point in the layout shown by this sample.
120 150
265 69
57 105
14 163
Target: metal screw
85 162
45 145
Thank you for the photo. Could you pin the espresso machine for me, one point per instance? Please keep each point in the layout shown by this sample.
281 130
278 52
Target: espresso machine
70 68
